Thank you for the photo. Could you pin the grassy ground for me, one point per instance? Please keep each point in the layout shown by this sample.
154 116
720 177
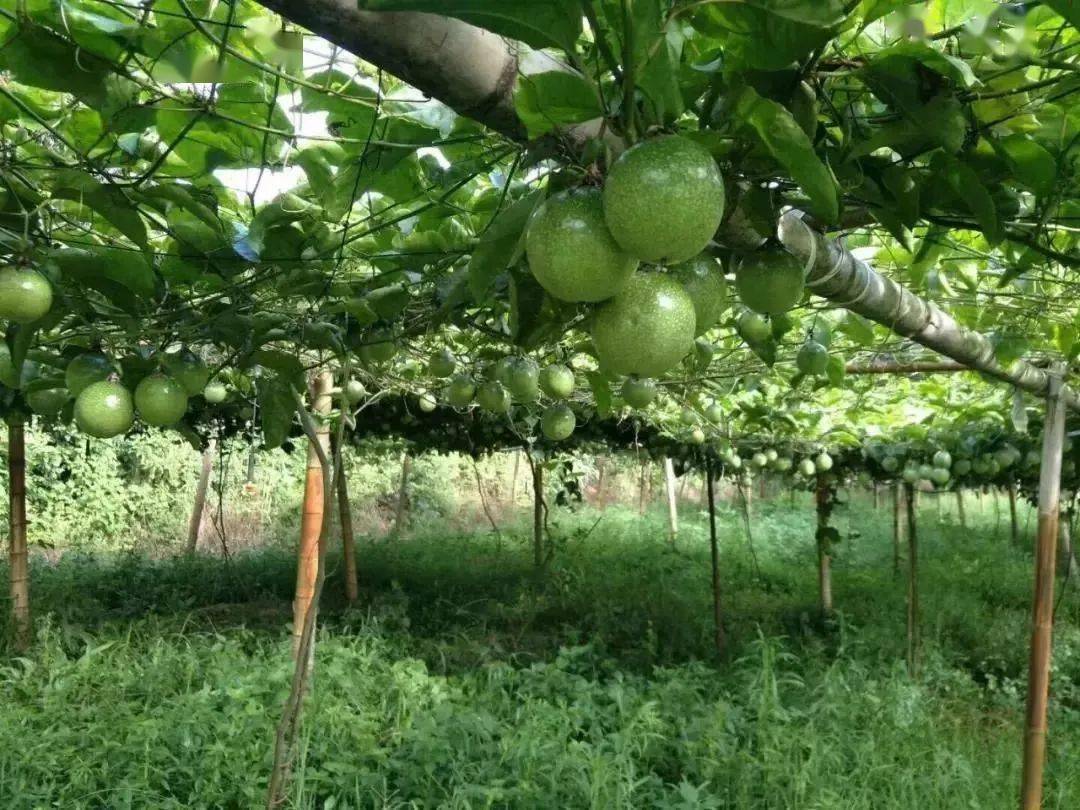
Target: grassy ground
461 681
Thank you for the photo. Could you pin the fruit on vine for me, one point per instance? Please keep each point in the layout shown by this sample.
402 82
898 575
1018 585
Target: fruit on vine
85 370
441 364
25 295
379 347
355 391
703 354
942 459
558 422
940 475
759 460
664 199
890 464
771 455
215 393
824 462
752 327
697 436
493 397
461 391
426 402
161 401
807 467
188 369
926 472
812 359
104 409
962 466
714 413
571 252
688 416
523 379
638 392
499 370
47 401
783 464
910 475
703 279
735 462
645 329
557 381
770 281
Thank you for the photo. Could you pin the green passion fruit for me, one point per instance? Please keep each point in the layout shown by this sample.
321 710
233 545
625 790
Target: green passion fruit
664 199
571 252
85 370
441 364
769 281
215 393
812 359
697 436
557 381
104 409
558 422
188 369
703 279
426 402
823 463
807 467
942 459
47 402
161 401
25 295
753 327
493 397
355 391
379 347
461 391
523 379
646 329
638 393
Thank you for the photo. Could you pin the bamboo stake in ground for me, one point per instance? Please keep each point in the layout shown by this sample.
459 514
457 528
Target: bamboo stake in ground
200 496
672 503
538 514
823 499
1014 521
1031 786
897 526
913 583
18 556
960 507
348 538
403 496
641 488
714 549
315 499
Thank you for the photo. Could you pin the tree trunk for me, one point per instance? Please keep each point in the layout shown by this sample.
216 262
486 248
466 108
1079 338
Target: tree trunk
307 569
960 507
897 526
672 505
1038 691
714 550
403 496
348 538
823 501
200 496
538 515
913 584
1014 521
19 558
836 274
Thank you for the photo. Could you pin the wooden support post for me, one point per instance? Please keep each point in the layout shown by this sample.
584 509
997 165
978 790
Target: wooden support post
307 567
960 507
1014 521
899 494
1038 692
641 487
877 496
714 549
538 514
345 522
195 525
672 503
913 583
514 477
18 555
403 495
824 503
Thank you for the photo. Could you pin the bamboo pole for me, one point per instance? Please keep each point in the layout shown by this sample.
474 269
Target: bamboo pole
641 488
714 550
311 522
538 515
898 523
195 525
960 507
672 504
345 521
823 503
1035 727
1014 521
403 495
18 555
513 476
913 584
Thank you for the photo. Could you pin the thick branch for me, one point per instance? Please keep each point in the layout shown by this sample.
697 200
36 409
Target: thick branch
905 368
836 274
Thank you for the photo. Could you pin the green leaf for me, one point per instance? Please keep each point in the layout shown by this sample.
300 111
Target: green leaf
835 371
601 390
501 244
288 366
38 58
968 187
110 202
872 10
770 34
130 269
554 100
540 23
1032 164
277 408
1069 9
788 143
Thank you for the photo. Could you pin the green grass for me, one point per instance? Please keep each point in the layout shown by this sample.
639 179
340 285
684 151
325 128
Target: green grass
461 681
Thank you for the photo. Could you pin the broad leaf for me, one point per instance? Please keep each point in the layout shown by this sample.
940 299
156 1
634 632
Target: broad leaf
554 100
500 245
